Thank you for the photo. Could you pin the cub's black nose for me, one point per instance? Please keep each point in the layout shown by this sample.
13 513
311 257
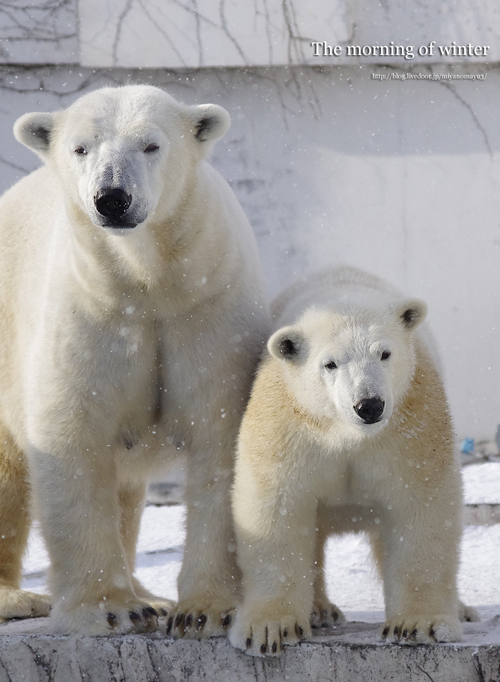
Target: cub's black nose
112 203
370 410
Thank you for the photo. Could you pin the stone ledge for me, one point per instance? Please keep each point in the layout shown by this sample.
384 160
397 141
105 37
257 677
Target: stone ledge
346 654
481 514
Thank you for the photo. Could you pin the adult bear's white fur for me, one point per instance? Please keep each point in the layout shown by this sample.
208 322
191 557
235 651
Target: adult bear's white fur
129 331
347 430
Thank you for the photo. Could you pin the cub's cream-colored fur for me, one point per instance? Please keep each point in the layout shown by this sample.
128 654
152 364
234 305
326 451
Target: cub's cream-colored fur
347 430
132 314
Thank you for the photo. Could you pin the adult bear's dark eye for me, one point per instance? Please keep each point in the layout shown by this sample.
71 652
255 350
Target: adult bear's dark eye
385 355
151 148
81 151
330 365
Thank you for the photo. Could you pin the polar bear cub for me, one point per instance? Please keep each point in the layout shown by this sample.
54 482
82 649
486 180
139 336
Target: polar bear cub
133 313
347 429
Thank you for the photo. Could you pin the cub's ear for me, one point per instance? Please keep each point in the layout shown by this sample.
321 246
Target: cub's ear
35 131
208 122
286 343
411 313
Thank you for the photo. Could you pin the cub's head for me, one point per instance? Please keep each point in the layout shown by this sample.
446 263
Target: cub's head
124 154
352 364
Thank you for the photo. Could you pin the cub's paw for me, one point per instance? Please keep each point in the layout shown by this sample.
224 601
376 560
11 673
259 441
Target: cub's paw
199 621
422 629
108 617
267 636
326 615
467 614
16 603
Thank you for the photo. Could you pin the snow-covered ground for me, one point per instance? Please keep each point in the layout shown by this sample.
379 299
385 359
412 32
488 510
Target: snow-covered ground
482 483
353 583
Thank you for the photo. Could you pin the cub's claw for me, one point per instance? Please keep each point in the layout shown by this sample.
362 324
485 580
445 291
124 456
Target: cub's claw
422 629
267 637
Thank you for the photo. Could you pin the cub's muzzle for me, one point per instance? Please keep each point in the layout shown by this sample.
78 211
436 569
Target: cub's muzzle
370 410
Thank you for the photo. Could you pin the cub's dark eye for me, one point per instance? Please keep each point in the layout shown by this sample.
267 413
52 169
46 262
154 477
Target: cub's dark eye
151 148
330 365
385 355
81 151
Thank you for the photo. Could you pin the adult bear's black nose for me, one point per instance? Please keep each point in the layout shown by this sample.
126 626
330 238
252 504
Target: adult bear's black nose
112 203
370 410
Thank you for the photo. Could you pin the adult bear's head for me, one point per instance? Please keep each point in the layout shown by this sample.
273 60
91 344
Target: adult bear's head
124 155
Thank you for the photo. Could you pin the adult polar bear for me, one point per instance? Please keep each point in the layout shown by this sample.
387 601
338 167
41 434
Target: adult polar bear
132 314
347 430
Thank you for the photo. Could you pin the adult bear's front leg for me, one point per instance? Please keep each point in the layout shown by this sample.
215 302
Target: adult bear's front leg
90 580
208 375
85 379
15 520
209 583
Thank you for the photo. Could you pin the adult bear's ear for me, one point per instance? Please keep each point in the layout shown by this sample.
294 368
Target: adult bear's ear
411 313
208 122
287 343
35 131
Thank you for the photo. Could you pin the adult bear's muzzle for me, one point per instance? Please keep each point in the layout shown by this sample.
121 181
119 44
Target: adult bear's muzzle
113 204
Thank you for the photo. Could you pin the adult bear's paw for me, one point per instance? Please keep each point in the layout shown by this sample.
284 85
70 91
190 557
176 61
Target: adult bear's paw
110 617
198 620
326 615
467 614
15 603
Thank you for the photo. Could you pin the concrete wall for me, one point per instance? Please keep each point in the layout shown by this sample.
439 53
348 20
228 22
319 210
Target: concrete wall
332 162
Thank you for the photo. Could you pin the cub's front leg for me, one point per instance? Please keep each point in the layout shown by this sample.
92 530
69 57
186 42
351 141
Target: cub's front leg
275 528
418 555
